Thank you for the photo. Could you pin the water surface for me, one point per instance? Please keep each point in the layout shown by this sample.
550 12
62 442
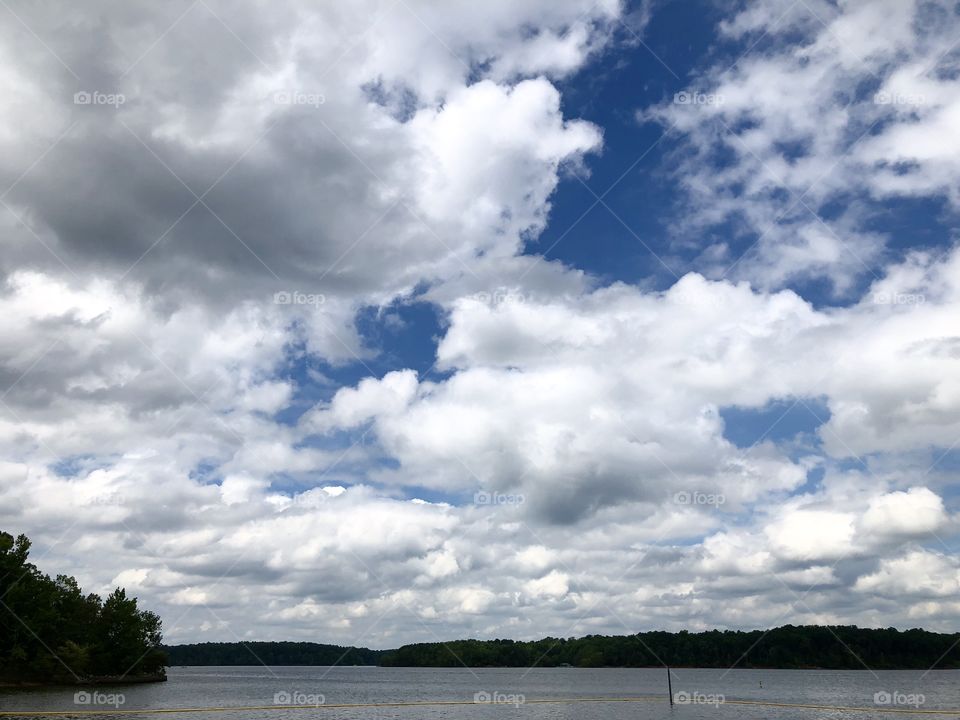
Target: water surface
514 689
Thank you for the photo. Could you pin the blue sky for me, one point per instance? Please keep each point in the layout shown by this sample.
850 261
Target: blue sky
614 218
517 319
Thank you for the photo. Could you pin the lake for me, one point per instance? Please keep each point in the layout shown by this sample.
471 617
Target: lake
513 692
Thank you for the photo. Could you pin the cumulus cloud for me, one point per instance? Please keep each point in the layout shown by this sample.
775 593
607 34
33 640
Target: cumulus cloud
183 268
795 145
918 573
281 167
539 387
915 512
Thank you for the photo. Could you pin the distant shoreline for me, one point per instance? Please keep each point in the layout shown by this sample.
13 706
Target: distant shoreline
810 647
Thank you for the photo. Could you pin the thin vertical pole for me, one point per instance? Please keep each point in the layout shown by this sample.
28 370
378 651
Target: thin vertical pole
669 686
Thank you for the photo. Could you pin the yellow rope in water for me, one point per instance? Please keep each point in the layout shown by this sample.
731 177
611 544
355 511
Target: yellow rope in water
842 708
437 703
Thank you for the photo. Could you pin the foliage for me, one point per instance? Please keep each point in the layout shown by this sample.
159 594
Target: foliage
270 653
51 632
836 647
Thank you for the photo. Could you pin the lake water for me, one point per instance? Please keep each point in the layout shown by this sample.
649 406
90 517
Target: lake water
515 692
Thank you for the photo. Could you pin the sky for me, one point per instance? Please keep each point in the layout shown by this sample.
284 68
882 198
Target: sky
400 321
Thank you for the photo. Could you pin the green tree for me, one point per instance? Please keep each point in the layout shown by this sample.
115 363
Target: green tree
50 631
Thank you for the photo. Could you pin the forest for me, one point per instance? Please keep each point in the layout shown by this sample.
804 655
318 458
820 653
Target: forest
834 647
51 632
269 653
812 646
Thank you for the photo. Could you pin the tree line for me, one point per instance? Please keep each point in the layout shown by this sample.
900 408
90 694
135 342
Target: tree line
269 653
789 647
50 631
796 647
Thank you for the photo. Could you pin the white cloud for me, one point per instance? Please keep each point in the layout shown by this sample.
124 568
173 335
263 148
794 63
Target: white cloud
852 110
584 402
140 407
916 512
918 573
812 535
553 585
